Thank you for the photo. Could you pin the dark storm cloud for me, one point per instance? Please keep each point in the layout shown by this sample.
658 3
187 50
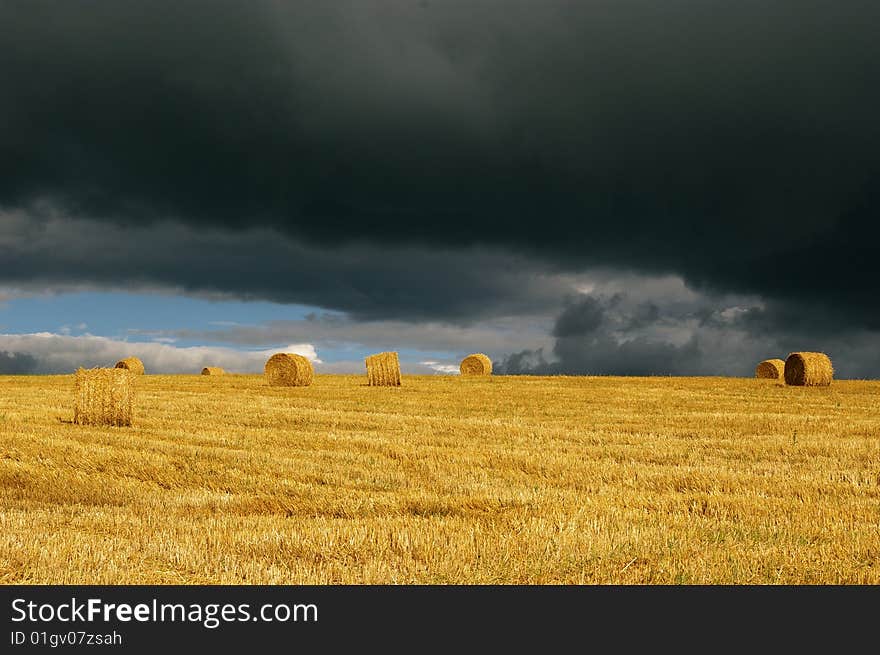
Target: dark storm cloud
618 335
580 318
365 281
595 336
735 144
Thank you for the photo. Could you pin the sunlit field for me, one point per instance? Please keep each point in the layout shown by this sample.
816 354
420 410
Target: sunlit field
444 480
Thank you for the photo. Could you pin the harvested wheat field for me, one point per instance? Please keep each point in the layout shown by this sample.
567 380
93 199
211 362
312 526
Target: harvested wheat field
444 480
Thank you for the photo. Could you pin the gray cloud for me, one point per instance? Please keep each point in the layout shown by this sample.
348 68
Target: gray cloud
711 335
47 353
581 318
17 363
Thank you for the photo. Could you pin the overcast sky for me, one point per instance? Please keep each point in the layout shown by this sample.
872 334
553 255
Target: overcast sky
587 187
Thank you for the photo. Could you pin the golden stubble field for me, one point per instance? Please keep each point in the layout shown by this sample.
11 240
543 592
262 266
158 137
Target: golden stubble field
444 480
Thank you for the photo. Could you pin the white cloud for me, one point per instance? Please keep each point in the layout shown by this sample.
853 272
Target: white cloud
439 367
62 353
307 350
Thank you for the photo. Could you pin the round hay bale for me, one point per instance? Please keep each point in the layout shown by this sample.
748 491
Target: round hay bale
213 370
133 364
808 370
289 370
772 369
476 364
383 369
